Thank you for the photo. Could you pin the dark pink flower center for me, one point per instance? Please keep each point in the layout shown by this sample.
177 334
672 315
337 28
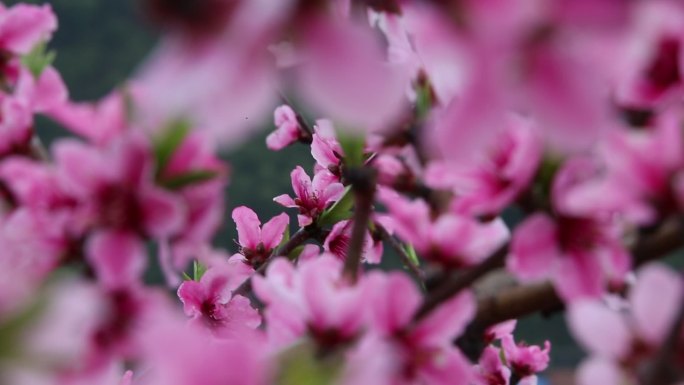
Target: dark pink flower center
663 72
119 208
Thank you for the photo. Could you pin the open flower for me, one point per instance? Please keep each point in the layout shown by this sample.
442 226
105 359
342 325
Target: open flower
256 241
210 301
312 197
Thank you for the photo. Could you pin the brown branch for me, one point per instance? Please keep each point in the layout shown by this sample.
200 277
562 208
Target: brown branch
524 300
399 249
363 185
463 280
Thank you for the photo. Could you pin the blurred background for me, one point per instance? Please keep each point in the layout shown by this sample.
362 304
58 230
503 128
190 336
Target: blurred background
100 43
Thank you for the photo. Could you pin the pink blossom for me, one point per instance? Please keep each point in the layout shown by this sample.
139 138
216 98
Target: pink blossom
525 360
210 301
31 250
491 371
361 92
208 101
578 249
621 342
650 72
312 196
644 168
325 148
98 122
450 239
424 350
314 298
178 355
493 183
22 26
117 188
118 258
257 242
15 126
287 130
337 243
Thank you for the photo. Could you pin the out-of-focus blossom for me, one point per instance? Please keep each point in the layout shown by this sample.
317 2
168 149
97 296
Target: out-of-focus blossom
450 239
22 26
361 92
578 248
494 182
210 301
424 350
622 343
313 298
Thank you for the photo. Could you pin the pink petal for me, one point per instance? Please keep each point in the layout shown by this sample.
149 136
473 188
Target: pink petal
655 298
362 91
118 258
248 227
79 166
599 329
287 131
578 275
192 294
23 26
163 212
285 200
448 367
301 183
394 300
272 231
597 370
446 322
534 248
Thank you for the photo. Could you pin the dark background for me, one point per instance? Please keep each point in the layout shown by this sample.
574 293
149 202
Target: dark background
99 43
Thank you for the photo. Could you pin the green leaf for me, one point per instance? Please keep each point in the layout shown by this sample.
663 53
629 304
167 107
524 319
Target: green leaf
411 252
187 178
300 365
186 277
340 210
38 59
353 145
168 142
198 270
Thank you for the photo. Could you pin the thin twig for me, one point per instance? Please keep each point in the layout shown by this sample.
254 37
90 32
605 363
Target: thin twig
399 249
454 285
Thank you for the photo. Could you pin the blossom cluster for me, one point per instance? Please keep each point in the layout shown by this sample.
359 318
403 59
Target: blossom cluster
428 122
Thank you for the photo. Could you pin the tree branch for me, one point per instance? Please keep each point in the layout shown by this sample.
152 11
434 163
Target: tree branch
463 280
399 249
363 185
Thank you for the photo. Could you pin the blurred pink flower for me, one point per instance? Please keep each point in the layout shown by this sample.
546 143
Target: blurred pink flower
620 343
450 239
210 301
